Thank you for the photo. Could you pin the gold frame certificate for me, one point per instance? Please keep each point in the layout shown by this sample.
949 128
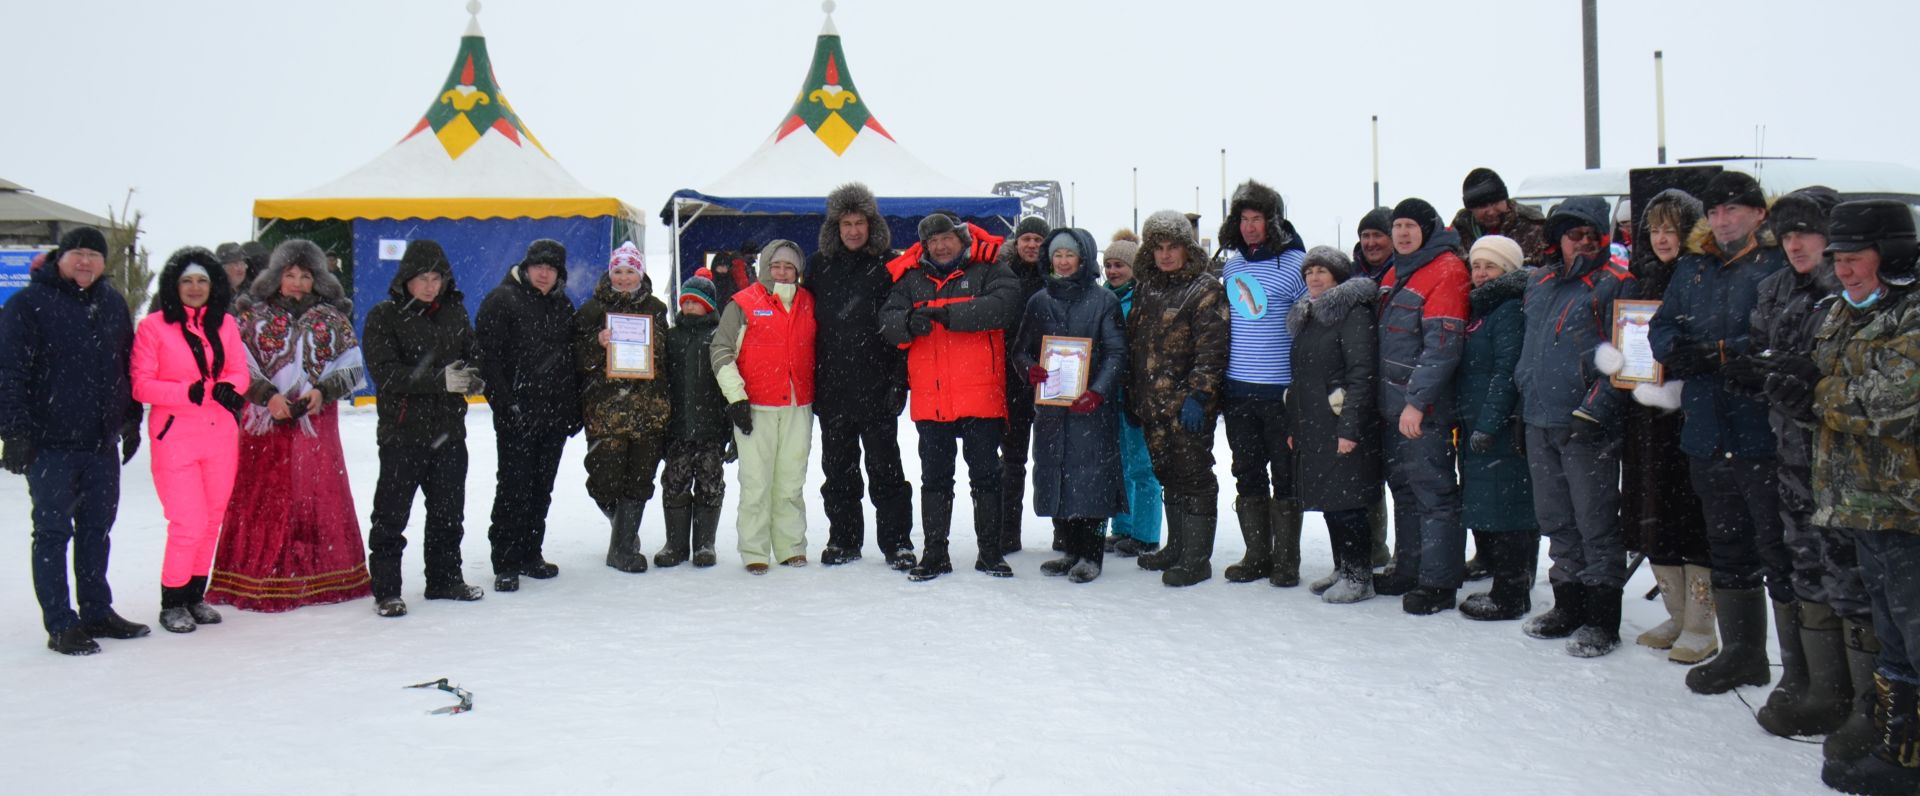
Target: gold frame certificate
629 346
1632 320
1069 363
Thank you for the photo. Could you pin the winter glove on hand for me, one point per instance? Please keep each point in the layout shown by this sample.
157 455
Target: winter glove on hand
197 392
1585 430
225 395
1747 374
1337 400
1086 403
731 454
1795 365
458 379
938 315
129 442
741 413
475 385
1036 374
17 457
1790 393
1692 359
918 324
897 399
1480 442
1193 413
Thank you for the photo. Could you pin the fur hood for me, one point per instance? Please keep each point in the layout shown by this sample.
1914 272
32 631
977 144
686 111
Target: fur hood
1332 308
166 294
1252 195
1686 207
1701 241
307 255
854 198
1167 225
1504 288
1089 262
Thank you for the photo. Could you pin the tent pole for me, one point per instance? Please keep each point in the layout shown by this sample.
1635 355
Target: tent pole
677 265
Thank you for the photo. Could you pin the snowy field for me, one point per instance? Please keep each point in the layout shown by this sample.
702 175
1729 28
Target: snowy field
845 680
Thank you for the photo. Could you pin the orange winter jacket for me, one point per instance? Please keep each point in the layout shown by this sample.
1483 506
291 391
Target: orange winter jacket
955 369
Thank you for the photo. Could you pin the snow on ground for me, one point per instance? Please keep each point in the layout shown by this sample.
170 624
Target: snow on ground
845 680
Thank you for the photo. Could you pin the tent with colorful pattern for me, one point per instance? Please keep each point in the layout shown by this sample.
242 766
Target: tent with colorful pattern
470 175
828 138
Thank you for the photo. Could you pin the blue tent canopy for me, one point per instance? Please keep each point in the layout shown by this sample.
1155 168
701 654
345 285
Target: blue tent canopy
708 224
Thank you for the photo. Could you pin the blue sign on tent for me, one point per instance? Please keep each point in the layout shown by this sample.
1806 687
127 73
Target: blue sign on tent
16 268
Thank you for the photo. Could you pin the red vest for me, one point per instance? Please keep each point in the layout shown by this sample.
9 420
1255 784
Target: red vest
776 353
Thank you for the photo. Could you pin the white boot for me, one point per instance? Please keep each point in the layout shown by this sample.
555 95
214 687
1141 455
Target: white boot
1698 639
1673 592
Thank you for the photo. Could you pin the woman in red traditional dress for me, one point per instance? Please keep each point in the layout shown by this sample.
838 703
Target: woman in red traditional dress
291 537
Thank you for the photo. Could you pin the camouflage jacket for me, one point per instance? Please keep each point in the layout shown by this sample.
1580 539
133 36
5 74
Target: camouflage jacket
1177 332
1866 462
1524 224
620 407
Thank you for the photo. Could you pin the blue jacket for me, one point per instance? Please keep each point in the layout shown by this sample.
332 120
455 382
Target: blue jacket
64 357
1569 311
1712 300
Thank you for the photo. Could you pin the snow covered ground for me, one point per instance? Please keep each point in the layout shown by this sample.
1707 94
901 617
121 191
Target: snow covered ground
845 680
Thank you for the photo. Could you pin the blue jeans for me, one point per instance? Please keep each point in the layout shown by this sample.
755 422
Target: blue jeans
76 495
1890 567
1142 520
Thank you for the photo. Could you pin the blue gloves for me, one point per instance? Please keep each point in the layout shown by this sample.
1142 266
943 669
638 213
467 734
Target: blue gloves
1193 413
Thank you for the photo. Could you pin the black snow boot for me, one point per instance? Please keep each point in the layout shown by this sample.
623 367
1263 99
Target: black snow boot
988 530
936 518
456 590
1166 557
1509 556
1256 527
1568 613
1428 600
115 626
1092 553
832 556
197 607
1743 644
1600 633
1480 566
1824 700
1894 765
679 546
1377 528
1063 530
1286 543
1793 660
174 617
1196 543
900 560
623 548
706 525
1855 737
72 641
390 607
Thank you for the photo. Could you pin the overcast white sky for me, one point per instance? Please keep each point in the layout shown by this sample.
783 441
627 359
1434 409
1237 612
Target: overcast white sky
205 105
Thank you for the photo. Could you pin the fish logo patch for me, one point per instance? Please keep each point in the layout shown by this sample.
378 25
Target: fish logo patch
1246 295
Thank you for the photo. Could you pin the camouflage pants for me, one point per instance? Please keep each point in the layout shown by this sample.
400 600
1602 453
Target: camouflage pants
694 473
621 468
1182 461
1825 567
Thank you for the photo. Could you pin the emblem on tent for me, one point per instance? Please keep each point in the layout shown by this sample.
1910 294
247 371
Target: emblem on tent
827 105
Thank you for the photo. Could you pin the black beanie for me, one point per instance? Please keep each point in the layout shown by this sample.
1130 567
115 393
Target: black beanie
1419 212
1379 219
1482 187
546 251
83 238
1733 188
1033 224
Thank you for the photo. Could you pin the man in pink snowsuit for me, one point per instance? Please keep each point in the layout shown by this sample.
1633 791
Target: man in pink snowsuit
191 367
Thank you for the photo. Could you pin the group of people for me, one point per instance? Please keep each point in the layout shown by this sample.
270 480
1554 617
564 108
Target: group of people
1469 369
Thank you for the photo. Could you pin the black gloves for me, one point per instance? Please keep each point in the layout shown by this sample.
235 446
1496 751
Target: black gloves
225 395
197 392
17 456
1794 366
897 399
1480 442
1747 374
129 441
1586 431
936 314
741 413
1790 393
918 324
1689 359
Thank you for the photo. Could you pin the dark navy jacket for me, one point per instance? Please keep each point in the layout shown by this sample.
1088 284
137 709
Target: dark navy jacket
64 355
1712 301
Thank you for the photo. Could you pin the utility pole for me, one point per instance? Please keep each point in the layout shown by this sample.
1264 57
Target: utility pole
1073 203
1590 51
1376 160
1660 104
1223 184
1136 200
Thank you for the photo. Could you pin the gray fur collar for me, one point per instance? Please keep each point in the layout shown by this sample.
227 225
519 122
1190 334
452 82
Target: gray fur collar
1333 307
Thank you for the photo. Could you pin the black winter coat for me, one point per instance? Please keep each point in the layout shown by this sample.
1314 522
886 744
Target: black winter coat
526 356
1032 280
1076 458
1335 348
1786 317
408 346
1496 487
856 374
699 408
65 355
1658 508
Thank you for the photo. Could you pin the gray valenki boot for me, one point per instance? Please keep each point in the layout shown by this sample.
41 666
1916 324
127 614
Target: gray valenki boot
1699 640
1256 527
1673 594
1743 631
1196 544
1168 556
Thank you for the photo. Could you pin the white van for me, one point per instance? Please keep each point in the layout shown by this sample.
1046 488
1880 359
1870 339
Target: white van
1852 179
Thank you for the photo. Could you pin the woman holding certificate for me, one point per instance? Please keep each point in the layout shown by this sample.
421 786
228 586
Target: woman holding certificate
623 398
1074 354
763 358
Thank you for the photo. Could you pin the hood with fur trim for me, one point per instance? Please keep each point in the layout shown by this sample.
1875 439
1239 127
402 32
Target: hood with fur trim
166 298
1167 225
307 255
855 198
1503 288
1701 241
1252 195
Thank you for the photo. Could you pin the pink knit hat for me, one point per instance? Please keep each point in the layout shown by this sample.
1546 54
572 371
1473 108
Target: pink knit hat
627 256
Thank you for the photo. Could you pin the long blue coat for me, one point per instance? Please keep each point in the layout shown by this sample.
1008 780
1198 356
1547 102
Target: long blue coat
1496 487
1076 458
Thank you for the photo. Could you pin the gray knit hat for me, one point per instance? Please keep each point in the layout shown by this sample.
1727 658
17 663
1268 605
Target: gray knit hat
1335 261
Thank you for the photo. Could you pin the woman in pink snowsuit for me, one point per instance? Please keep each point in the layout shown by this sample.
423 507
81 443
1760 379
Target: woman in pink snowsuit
190 366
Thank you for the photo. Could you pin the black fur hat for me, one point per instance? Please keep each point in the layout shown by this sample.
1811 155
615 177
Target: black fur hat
1482 187
1804 210
166 299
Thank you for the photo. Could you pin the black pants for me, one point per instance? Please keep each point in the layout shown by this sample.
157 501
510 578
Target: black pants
841 441
439 472
1741 499
1015 444
1257 436
1427 535
978 438
76 495
529 460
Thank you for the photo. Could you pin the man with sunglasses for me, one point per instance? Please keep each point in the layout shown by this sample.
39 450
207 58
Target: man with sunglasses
1704 322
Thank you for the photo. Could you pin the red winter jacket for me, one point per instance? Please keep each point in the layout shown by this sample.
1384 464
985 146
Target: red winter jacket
957 369
776 353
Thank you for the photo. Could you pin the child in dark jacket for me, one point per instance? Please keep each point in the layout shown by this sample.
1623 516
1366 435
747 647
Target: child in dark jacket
698 434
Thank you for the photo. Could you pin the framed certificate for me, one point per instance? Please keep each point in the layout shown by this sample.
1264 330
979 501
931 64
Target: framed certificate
629 346
1069 362
1631 322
